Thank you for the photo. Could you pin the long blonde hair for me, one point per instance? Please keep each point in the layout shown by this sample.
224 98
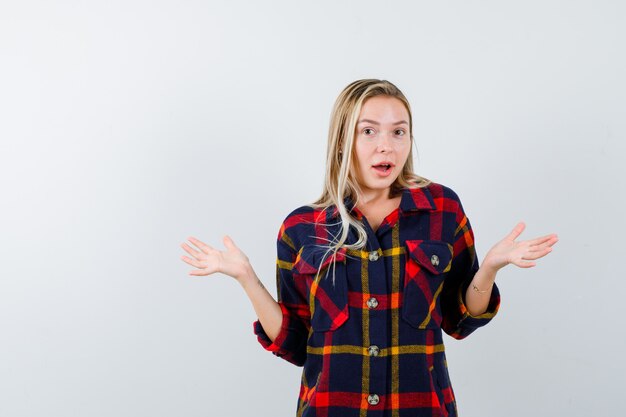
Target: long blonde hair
340 181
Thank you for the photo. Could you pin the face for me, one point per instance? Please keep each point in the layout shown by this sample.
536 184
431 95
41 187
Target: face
382 136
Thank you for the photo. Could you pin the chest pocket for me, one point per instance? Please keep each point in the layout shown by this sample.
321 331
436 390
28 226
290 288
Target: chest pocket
328 303
427 262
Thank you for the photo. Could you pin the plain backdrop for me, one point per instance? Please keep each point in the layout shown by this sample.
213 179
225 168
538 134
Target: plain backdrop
128 126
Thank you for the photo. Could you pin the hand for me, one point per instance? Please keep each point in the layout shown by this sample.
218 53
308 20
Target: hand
208 260
519 253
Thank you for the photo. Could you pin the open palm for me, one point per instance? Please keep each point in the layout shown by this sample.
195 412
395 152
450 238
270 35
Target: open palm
520 253
209 260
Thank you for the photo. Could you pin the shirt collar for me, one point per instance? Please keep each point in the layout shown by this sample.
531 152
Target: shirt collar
413 199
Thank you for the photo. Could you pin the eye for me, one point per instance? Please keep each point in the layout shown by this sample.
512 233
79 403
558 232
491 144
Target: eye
366 129
401 132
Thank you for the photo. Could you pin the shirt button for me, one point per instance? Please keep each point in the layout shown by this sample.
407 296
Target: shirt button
434 260
373 399
374 350
373 256
372 303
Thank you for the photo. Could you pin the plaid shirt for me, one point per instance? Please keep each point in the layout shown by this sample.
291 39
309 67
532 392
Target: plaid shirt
372 345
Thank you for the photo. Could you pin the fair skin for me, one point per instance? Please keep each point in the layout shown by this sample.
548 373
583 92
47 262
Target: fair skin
382 135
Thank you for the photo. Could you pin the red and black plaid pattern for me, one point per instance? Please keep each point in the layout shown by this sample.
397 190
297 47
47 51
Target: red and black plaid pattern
372 343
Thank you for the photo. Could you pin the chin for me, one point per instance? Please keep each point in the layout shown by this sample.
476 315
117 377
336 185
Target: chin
380 185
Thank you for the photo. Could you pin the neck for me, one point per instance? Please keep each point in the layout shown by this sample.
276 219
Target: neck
375 197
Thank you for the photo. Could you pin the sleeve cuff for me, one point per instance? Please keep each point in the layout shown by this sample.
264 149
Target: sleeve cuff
470 321
277 345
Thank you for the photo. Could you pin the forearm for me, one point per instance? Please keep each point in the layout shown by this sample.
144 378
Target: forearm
267 309
477 302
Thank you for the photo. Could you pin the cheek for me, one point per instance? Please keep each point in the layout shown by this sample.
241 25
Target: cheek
405 151
360 154
360 166
364 148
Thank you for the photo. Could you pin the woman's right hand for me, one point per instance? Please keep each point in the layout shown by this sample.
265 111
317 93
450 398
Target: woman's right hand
208 260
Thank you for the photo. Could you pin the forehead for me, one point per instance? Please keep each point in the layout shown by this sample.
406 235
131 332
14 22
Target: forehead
384 109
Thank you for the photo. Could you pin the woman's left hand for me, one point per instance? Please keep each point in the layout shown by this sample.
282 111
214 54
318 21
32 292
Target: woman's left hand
521 253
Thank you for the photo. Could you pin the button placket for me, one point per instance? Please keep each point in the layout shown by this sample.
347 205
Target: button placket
372 303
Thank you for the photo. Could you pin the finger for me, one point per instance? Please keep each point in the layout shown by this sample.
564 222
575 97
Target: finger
203 246
191 250
517 230
547 244
524 264
543 239
228 242
202 272
536 254
192 262
553 240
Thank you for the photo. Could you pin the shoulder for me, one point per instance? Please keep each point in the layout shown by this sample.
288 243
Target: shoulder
443 203
443 196
304 215
301 224
450 202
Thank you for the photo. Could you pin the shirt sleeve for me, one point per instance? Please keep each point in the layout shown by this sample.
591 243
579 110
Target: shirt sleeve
290 343
457 321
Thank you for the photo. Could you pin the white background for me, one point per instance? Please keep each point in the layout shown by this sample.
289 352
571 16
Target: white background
127 126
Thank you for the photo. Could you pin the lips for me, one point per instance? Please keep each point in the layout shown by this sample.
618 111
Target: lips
383 168
383 165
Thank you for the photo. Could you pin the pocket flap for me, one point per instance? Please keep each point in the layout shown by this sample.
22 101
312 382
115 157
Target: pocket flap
433 255
309 259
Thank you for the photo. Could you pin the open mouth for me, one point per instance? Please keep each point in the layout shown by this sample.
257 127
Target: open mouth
382 167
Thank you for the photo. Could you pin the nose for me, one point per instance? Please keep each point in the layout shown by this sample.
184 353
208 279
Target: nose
384 144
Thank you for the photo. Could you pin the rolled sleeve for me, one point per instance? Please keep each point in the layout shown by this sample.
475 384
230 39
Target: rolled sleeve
470 321
457 320
290 343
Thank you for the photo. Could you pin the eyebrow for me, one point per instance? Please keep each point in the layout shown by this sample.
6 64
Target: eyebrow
376 123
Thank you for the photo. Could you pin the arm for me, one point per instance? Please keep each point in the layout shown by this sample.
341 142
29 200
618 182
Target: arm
505 252
284 328
471 309
477 301
284 331
458 320
267 309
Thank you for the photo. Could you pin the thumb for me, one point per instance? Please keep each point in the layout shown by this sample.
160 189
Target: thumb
228 242
517 230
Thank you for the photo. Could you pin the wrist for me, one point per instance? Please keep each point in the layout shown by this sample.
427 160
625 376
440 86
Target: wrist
491 266
484 277
246 276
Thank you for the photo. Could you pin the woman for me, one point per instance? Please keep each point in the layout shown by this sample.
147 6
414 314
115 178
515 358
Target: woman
370 274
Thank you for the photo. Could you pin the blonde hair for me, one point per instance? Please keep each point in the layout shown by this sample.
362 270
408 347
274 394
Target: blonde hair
340 181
